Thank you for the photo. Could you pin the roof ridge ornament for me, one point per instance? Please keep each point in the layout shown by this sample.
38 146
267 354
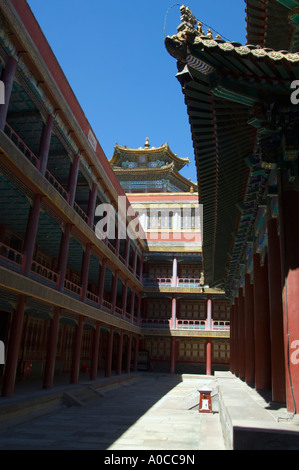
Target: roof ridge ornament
188 20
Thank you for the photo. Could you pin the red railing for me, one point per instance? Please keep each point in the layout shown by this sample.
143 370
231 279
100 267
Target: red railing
107 305
21 145
118 310
81 212
93 297
71 287
11 255
57 185
44 272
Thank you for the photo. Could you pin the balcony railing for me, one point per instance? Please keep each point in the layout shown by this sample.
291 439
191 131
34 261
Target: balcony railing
191 324
72 288
11 258
152 281
198 325
57 185
47 275
21 145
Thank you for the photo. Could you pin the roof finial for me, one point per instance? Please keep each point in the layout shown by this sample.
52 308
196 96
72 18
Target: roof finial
147 145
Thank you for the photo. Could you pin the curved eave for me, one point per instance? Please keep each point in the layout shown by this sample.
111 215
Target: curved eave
268 25
164 171
123 152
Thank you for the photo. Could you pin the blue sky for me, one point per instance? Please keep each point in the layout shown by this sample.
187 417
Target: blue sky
113 55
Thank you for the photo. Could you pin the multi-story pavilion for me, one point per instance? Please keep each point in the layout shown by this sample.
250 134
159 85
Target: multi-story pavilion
244 122
185 323
69 300
72 301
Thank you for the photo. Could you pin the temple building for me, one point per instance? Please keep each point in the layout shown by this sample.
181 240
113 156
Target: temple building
73 303
186 323
244 124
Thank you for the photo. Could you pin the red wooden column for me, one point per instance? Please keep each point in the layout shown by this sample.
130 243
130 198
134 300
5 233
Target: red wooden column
139 299
136 354
209 312
276 314
132 304
85 270
31 231
124 298
236 337
289 223
249 331
232 343
173 311
108 366
77 351
119 353
92 204
261 325
209 357
101 282
114 290
135 260
129 353
45 144
241 333
63 255
95 352
7 77
51 350
13 349
73 177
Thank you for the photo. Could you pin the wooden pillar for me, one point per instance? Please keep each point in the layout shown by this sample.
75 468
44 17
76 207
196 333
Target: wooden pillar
135 260
7 77
249 331
276 314
108 367
209 313
31 232
119 353
92 204
289 236
73 177
232 344
209 357
63 255
101 282
51 350
95 352
129 353
13 349
173 311
85 270
45 144
136 354
77 351
114 290
261 325
236 337
241 334
175 271
124 298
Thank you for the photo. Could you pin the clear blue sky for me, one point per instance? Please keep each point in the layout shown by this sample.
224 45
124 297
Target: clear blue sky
113 55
